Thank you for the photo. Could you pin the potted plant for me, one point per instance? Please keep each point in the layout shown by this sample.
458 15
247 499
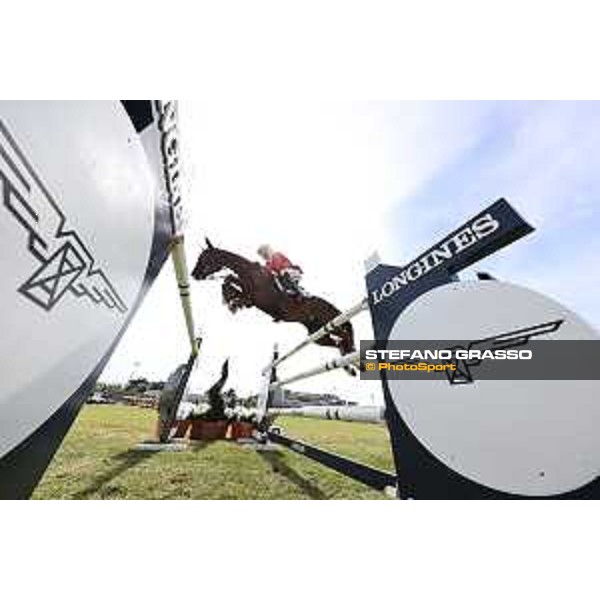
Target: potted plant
243 423
208 424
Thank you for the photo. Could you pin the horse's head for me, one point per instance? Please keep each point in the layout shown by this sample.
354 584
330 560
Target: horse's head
210 261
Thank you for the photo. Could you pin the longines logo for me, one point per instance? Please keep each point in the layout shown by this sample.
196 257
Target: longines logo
469 235
167 124
66 263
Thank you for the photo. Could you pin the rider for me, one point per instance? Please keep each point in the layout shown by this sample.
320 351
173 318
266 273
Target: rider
286 274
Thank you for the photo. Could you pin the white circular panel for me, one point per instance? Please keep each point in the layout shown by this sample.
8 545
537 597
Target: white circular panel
522 437
76 228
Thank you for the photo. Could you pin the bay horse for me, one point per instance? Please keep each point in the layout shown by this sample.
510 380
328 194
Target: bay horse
249 284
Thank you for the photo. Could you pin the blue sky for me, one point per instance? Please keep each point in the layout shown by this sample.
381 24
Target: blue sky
544 157
330 182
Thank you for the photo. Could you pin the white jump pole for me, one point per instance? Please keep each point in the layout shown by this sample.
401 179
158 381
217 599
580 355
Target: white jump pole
317 335
337 363
263 395
183 282
364 414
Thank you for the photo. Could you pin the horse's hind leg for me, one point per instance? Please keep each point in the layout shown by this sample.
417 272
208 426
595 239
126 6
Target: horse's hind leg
343 340
346 345
341 337
329 341
346 339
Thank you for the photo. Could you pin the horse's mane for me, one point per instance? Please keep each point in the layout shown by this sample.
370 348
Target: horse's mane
241 261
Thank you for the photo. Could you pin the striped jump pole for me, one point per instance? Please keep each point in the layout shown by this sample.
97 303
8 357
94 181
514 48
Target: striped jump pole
183 283
265 395
337 363
364 414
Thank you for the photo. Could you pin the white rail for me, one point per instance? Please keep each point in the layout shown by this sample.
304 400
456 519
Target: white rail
338 363
317 335
365 414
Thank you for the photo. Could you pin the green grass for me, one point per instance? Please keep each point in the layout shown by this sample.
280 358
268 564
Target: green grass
97 460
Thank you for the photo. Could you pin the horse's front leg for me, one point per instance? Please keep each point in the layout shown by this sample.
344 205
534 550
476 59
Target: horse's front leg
233 294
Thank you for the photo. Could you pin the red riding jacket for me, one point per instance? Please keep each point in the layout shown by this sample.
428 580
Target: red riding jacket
279 262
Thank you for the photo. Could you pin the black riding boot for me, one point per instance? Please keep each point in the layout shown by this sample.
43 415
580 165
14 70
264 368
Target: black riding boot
289 286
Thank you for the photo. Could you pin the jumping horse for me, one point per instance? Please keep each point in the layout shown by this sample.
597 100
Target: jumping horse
249 284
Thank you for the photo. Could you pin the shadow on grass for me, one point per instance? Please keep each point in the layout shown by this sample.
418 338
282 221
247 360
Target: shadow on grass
198 445
126 460
277 463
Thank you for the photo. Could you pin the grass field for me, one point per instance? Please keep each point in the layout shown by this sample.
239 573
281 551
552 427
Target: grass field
98 460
